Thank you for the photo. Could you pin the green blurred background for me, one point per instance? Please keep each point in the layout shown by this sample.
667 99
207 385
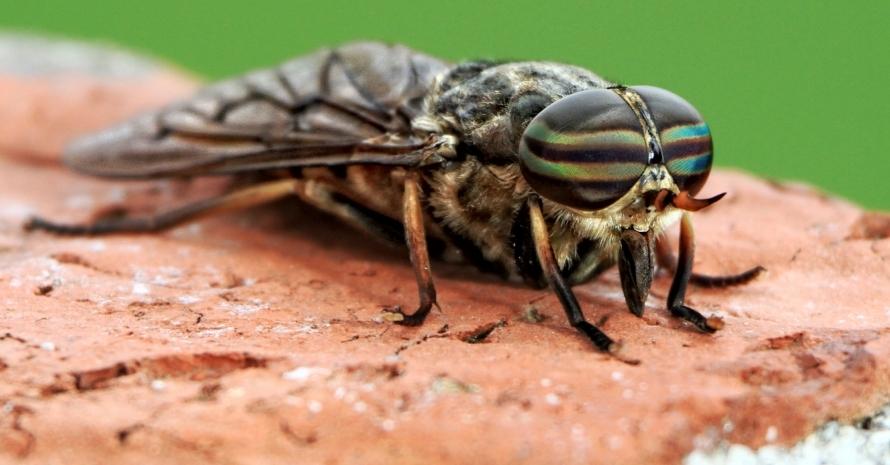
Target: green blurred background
791 89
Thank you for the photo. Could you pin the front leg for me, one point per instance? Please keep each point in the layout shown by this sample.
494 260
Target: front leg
415 237
677 294
544 251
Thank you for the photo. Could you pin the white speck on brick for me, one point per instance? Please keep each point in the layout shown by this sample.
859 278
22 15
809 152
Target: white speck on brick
115 195
552 399
315 406
167 275
80 202
617 375
16 211
48 346
188 299
728 426
97 246
141 289
158 385
772 433
304 373
216 332
248 308
307 328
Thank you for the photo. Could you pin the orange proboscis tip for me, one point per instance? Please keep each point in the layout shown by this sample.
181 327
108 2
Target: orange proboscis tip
684 201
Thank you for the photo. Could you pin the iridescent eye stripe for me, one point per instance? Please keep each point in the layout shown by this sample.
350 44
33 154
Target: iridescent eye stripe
580 172
689 166
607 159
684 132
606 138
687 149
611 145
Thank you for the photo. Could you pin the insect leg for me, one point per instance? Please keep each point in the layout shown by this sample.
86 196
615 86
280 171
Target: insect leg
677 294
566 297
415 236
329 199
240 199
666 259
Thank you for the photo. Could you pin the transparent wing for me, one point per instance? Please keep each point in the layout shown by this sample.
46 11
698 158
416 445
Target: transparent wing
349 105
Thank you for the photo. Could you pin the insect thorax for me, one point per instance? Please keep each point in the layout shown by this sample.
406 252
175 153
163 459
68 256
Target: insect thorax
488 106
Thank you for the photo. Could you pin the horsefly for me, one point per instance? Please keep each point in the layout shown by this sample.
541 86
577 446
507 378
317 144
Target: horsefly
537 171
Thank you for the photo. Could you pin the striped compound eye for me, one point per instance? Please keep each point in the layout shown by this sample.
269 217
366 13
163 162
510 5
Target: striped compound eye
685 138
585 150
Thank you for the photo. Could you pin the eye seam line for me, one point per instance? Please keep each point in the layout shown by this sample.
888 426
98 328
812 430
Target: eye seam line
650 132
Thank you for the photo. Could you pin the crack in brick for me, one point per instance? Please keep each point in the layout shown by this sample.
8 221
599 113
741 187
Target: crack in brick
123 435
473 336
69 258
200 366
825 358
441 333
300 440
478 335
10 336
21 442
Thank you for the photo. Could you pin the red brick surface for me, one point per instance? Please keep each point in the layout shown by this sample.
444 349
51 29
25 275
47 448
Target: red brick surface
257 338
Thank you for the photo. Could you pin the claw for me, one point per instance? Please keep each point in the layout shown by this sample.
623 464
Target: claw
395 315
616 350
715 323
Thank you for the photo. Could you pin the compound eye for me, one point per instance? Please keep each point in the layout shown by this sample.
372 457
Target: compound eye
585 150
685 138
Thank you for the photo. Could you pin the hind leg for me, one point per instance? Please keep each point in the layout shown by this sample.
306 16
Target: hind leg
239 199
666 259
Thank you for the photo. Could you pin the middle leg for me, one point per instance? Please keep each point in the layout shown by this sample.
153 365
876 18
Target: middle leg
415 238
